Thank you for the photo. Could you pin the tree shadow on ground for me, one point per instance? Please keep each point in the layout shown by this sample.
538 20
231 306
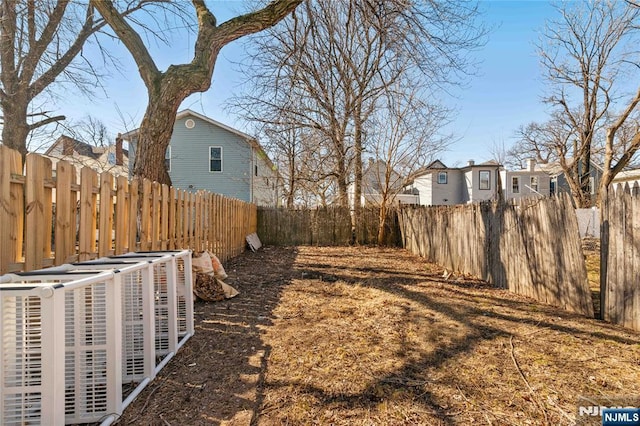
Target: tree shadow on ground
212 380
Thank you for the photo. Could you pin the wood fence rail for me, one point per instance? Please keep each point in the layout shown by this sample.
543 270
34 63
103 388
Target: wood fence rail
323 226
620 257
532 248
49 218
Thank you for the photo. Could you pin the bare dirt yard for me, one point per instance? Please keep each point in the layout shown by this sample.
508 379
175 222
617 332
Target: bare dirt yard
370 336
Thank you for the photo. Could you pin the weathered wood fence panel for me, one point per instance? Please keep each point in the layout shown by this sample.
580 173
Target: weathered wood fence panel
532 248
620 258
49 219
323 226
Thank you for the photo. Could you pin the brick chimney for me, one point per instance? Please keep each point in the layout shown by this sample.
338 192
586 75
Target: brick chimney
119 152
67 146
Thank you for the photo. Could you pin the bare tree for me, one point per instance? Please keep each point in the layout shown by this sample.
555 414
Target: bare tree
585 54
405 136
327 66
167 89
41 42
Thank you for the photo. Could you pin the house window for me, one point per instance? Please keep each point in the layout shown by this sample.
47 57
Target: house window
485 179
111 158
515 184
442 177
256 170
215 158
534 183
167 159
592 185
552 186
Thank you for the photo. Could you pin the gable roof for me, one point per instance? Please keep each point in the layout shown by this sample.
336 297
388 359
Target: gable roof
627 175
436 164
82 148
491 163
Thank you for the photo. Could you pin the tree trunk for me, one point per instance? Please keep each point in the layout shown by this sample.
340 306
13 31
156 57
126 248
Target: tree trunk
15 129
585 174
381 221
357 183
154 137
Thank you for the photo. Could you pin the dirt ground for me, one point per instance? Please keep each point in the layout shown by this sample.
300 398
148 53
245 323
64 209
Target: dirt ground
370 336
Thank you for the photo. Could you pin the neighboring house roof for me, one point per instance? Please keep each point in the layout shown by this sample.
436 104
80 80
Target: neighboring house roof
438 165
555 169
374 176
76 146
627 175
491 163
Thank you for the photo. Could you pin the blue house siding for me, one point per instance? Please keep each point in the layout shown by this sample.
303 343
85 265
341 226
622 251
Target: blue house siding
247 172
190 159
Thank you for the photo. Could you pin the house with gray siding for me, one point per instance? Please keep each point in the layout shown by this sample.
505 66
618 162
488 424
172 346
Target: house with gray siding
531 182
559 181
205 154
438 184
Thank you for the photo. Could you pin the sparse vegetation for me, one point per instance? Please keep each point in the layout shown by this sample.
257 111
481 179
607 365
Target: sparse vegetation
364 336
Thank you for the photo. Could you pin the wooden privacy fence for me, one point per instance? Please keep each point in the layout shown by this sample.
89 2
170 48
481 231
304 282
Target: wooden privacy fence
49 219
620 257
532 248
323 226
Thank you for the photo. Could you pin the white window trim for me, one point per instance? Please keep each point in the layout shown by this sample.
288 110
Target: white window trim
221 159
480 172
515 189
534 183
167 156
446 178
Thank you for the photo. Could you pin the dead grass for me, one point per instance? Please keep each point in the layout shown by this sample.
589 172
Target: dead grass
367 336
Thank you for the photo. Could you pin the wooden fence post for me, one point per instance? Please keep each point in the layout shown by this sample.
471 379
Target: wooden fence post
65 224
88 199
11 208
123 209
164 218
38 212
105 233
145 219
172 218
134 216
155 216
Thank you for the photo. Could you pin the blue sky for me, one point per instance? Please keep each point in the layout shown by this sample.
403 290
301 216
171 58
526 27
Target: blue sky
508 87
504 93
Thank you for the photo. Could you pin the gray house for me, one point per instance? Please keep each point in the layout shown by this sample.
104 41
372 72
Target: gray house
438 184
558 179
205 154
526 183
